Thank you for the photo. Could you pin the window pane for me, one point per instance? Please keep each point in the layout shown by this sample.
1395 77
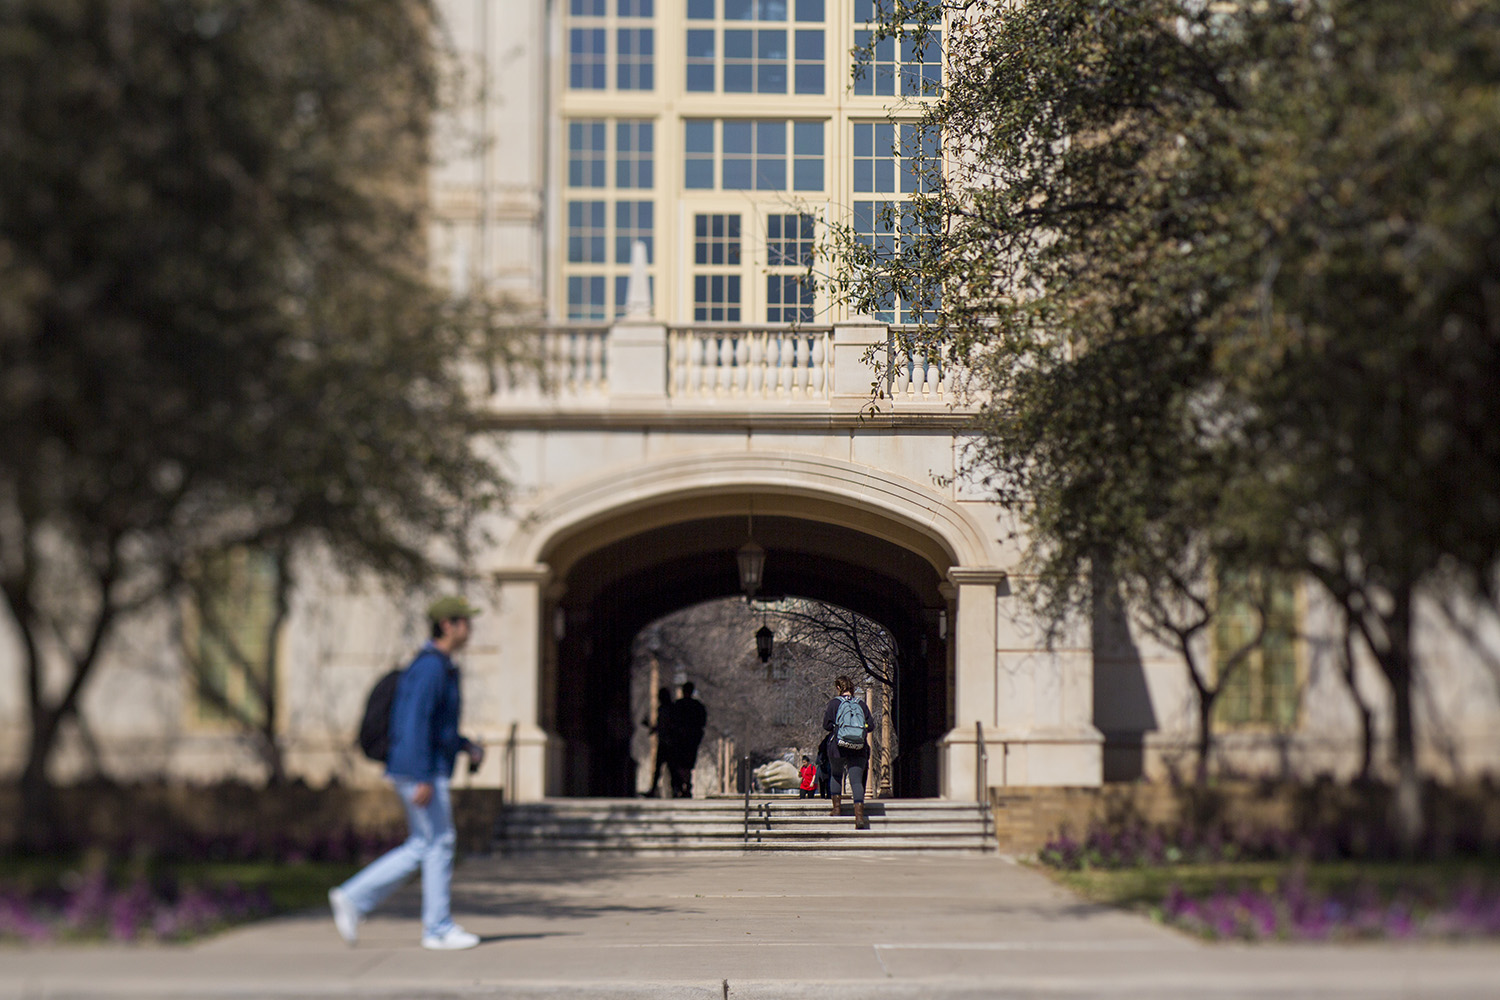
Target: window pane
586 297
809 10
770 138
700 61
586 154
698 169
807 138
739 10
634 69
586 59
738 137
807 174
635 8
771 63
633 221
587 8
633 155
701 10
809 68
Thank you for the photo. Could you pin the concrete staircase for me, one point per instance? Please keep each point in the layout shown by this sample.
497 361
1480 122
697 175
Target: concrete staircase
776 823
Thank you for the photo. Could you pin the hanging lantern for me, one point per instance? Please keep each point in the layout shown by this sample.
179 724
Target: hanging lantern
763 640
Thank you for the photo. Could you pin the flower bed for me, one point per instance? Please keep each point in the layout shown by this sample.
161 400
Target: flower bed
95 907
1291 911
1245 884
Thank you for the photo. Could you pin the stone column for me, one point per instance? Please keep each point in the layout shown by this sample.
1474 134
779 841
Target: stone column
638 361
971 597
1045 732
1033 701
852 342
504 685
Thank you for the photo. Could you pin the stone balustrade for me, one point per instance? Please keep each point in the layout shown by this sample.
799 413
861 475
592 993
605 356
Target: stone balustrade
645 364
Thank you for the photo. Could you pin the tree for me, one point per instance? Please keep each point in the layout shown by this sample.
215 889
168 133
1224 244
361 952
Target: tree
1227 272
216 323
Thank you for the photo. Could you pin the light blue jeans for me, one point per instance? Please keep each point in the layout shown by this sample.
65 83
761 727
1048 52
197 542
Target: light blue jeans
428 846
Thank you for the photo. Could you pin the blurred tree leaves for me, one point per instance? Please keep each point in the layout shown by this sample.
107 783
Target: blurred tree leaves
216 323
1230 273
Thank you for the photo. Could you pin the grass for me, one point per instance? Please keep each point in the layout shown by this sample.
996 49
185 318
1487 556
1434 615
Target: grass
1144 888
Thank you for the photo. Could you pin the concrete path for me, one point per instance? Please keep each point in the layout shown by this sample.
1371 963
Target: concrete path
763 927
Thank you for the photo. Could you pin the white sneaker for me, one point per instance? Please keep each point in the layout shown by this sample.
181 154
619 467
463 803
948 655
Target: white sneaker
455 938
345 916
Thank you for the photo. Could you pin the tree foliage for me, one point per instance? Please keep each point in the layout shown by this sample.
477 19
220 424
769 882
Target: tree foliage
1229 274
216 323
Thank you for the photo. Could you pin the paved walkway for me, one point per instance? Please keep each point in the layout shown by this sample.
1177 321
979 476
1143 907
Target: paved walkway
763 927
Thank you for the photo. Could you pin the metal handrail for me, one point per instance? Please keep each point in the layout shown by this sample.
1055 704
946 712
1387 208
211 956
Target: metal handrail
745 780
981 777
511 768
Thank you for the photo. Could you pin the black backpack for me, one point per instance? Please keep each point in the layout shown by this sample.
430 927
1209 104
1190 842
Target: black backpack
375 727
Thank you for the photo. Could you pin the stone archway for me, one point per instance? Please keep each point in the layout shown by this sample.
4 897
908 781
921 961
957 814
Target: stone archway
587 565
609 594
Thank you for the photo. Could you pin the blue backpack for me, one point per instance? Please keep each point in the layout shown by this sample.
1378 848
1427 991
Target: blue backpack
850 724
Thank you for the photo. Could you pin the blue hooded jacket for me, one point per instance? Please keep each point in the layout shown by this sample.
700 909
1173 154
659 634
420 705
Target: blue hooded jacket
424 718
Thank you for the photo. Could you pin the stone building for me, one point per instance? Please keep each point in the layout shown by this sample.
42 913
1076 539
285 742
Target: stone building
699 146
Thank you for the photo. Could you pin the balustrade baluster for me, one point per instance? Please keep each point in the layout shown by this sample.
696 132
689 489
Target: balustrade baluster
786 359
919 375
742 364
596 362
819 373
701 356
756 359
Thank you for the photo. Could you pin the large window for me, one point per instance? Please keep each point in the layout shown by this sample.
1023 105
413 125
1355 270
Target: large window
881 165
716 268
896 159
611 173
1262 689
910 67
740 155
789 254
611 43
756 46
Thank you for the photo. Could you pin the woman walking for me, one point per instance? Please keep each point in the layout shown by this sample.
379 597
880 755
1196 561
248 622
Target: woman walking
847 722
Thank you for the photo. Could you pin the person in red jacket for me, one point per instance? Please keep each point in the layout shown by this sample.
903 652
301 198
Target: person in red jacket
809 778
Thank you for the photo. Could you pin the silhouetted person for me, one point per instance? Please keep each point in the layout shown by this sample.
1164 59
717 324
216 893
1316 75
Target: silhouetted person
663 730
689 718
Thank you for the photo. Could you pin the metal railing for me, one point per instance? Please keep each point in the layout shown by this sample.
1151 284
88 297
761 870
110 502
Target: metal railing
981 776
745 780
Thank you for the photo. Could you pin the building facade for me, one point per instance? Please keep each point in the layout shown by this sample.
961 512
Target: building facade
653 178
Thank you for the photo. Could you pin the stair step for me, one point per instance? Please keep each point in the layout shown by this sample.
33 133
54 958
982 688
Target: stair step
777 823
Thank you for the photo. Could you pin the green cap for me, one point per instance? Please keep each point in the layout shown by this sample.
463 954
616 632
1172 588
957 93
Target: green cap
453 606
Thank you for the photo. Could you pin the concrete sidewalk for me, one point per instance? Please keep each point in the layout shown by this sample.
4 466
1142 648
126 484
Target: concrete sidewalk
764 927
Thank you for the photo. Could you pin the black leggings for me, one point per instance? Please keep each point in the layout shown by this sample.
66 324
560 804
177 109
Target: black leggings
855 768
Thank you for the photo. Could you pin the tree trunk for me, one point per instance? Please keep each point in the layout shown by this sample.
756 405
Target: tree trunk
1407 820
1205 735
39 820
1366 716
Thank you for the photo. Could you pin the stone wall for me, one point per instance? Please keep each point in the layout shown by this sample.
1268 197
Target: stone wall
1026 818
157 815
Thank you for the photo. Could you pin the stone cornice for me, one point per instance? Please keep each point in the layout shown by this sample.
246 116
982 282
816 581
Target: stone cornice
746 420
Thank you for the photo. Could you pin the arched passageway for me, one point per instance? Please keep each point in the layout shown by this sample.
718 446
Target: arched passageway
609 591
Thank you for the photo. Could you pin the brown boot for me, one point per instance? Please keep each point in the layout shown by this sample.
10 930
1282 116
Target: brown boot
860 823
838 806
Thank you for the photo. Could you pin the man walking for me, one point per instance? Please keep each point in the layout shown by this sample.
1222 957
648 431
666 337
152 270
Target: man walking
424 742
